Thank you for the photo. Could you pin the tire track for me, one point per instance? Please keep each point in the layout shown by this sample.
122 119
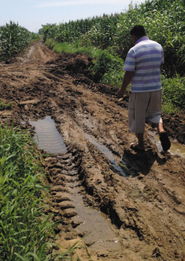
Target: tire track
76 220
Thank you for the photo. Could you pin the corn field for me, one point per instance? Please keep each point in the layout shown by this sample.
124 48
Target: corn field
98 29
13 39
164 22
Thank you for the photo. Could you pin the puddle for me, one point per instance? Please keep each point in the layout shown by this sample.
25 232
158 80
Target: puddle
106 152
175 149
98 234
47 136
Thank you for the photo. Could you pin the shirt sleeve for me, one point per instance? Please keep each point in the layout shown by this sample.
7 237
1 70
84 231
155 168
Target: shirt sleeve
130 61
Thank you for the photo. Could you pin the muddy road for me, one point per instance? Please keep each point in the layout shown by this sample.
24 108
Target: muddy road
115 204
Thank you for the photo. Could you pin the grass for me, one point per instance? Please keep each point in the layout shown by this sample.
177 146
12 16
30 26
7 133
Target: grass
5 106
173 94
24 229
26 233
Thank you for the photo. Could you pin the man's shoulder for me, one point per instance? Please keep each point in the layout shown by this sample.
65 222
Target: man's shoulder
147 45
131 51
154 42
150 43
144 45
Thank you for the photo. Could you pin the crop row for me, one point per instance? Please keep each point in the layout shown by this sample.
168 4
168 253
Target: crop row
13 39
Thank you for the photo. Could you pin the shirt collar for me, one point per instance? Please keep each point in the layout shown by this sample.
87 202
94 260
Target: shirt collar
143 38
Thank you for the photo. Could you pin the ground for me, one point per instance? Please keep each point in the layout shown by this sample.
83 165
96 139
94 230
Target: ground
112 203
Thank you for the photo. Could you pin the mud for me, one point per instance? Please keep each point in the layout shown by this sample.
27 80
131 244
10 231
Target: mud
47 137
107 215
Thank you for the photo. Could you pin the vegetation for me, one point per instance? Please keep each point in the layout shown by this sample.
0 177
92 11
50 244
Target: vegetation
163 20
5 106
107 40
13 39
24 230
174 94
97 31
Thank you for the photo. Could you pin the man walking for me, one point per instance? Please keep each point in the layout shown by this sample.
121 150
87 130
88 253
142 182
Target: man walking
142 66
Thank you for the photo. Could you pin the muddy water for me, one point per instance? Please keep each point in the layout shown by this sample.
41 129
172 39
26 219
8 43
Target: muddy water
175 149
97 231
47 136
106 152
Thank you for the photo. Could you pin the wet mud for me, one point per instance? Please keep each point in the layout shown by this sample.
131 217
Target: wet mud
109 201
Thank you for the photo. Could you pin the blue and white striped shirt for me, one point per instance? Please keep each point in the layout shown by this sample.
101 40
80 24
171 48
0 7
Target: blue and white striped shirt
145 59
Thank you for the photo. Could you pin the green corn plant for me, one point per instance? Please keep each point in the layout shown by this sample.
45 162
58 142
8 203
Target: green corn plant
13 39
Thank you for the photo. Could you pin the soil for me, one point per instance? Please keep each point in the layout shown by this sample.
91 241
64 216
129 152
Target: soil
109 202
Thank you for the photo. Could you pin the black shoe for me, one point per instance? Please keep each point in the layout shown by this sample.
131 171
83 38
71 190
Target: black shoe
136 147
165 142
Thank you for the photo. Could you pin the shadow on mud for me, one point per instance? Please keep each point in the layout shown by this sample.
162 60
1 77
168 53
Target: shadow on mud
135 163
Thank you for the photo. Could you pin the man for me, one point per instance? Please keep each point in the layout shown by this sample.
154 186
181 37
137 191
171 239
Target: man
142 66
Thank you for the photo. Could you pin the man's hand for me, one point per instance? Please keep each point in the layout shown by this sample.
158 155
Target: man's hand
126 80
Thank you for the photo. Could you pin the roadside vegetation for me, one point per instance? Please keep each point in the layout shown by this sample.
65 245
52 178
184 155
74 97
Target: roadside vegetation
5 105
13 40
26 232
107 40
24 229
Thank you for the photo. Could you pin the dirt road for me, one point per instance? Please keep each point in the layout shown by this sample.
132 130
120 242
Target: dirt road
134 212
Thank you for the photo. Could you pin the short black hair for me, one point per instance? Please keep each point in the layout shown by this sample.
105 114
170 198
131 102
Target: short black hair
138 31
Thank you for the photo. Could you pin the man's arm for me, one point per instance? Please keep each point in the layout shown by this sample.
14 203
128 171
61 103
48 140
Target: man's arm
126 80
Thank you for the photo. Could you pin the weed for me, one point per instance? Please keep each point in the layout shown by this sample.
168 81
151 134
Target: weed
24 230
5 106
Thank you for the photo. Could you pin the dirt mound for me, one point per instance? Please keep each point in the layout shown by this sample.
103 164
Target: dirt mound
139 195
72 64
175 126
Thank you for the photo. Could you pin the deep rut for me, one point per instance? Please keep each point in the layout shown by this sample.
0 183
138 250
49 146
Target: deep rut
77 221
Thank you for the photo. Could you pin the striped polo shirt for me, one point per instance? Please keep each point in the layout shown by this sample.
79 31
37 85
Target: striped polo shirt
145 59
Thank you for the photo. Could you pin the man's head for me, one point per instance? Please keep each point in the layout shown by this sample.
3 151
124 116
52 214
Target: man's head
137 32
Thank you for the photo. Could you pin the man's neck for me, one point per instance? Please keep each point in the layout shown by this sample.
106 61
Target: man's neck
142 38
